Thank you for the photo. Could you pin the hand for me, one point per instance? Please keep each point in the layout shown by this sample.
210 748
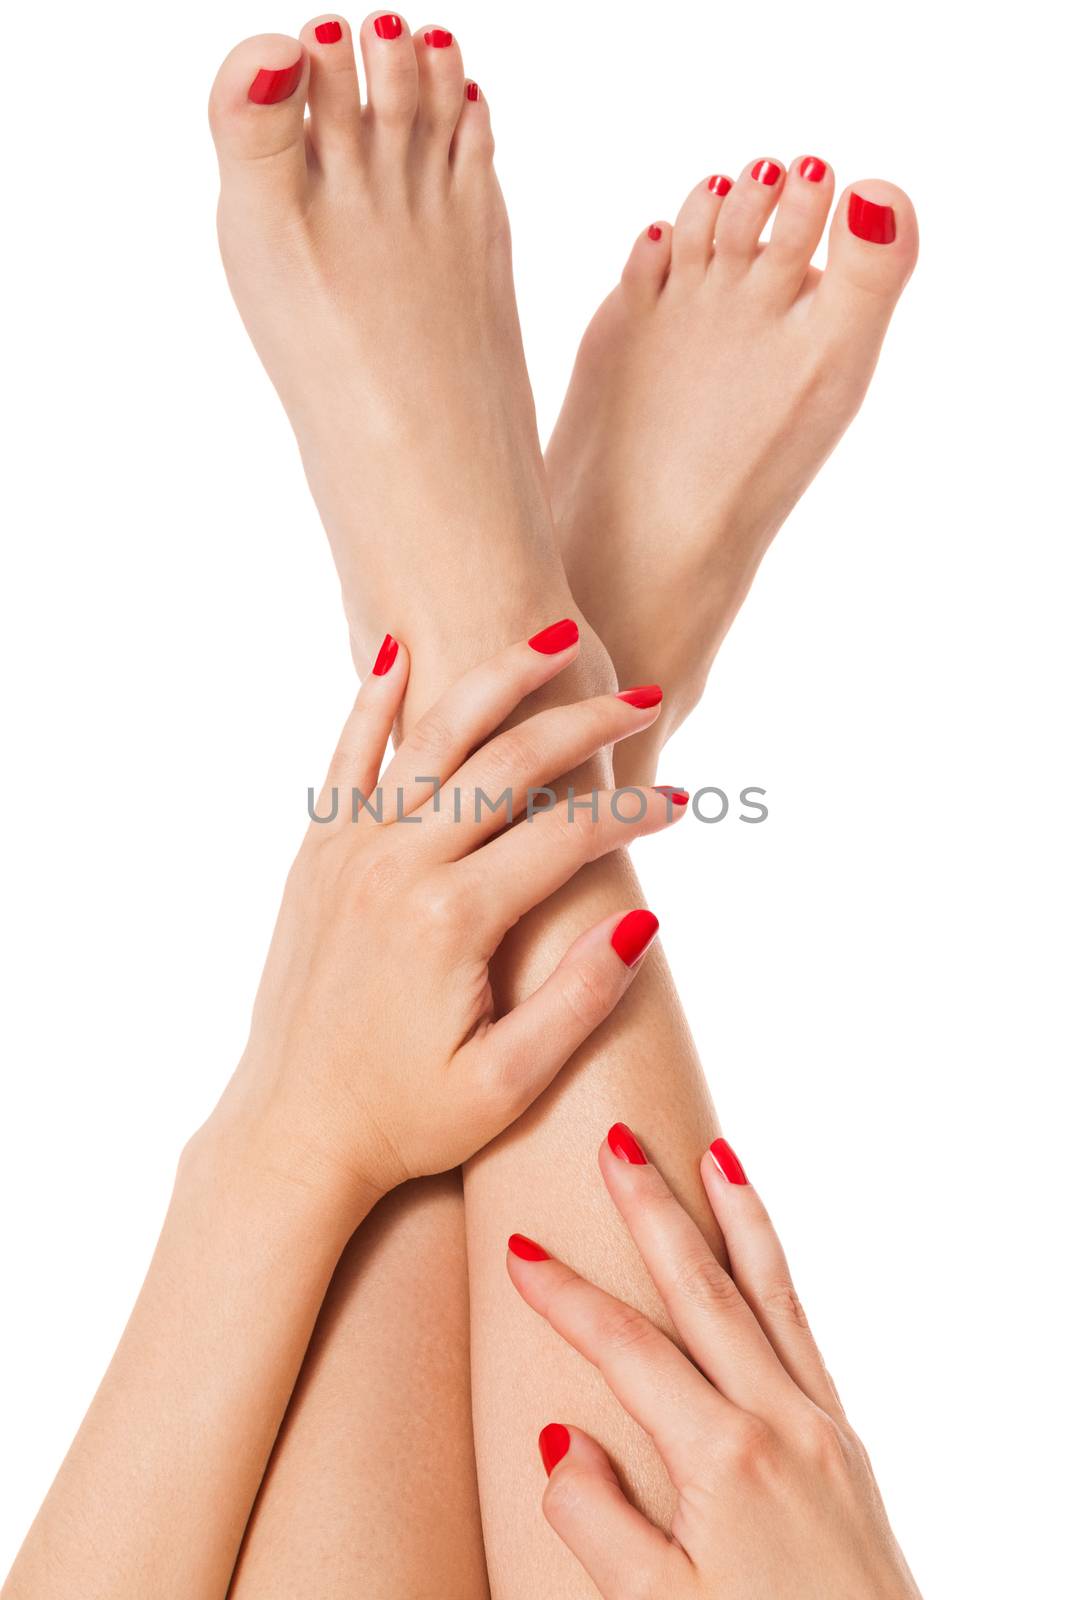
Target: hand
776 1495
374 1055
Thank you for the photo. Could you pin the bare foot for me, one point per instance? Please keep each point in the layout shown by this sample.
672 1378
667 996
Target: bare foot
710 387
367 248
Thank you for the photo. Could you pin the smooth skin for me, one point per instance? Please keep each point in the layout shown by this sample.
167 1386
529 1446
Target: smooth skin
368 253
350 1083
776 1495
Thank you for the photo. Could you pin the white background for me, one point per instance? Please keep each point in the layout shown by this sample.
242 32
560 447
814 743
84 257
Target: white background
871 975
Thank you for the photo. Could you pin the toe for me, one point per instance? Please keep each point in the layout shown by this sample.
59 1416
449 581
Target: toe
744 213
472 142
333 91
650 262
392 73
257 112
874 242
798 226
694 231
441 83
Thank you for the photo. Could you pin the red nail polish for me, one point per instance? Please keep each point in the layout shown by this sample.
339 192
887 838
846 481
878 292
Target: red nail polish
868 220
388 27
553 1443
633 936
655 232
727 1162
271 85
386 656
677 797
556 637
328 32
644 696
527 1249
720 185
473 92
438 38
813 169
767 172
622 1143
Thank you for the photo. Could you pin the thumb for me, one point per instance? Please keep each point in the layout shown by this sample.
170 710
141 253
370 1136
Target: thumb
584 1503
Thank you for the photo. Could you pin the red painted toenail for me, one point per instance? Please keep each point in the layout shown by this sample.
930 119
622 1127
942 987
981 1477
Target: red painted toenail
438 38
473 92
328 32
655 232
813 169
388 27
767 172
273 84
868 220
719 185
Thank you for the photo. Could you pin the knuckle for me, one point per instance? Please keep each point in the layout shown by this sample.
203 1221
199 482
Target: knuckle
782 1302
822 1441
751 1445
437 907
622 1330
380 876
432 735
511 754
588 993
706 1285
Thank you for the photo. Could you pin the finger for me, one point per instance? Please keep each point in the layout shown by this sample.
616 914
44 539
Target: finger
717 1327
648 1375
471 710
517 1057
365 736
584 1503
511 875
761 1272
494 785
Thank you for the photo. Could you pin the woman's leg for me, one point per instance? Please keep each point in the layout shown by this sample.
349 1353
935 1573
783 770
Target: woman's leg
371 1489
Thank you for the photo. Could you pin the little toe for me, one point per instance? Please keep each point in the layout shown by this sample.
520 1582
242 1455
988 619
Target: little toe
798 226
744 214
392 74
333 90
441 83
472 141
646 271
694 230
874 243
257 113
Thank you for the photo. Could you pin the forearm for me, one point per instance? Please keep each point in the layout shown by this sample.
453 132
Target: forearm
154 1494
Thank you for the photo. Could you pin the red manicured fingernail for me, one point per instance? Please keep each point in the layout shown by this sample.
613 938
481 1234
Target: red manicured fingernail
328 32
386 656
388 27
527 1249
868 220
271 85
767 172
813 169
438 38
677 797
720 185
655 232
633 936
553 1443
622 1143
473 91
556 637
645 695
727 1162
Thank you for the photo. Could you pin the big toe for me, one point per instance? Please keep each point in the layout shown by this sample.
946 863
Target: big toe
874 242
257 112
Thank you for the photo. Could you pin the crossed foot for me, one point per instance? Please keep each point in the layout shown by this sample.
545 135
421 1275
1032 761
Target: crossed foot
368 250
